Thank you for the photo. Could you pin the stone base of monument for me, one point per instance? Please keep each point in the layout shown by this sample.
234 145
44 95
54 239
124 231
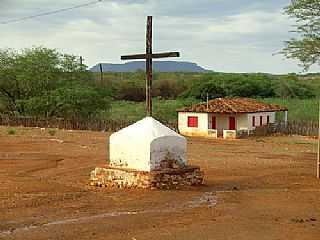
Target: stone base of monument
169 178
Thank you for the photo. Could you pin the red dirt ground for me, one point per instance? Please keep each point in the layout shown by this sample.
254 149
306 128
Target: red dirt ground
255 189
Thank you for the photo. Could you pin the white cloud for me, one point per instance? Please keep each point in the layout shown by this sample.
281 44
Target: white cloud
222 35
251 22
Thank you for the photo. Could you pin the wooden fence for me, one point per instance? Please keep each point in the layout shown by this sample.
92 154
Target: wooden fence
70 124
303 128
290 128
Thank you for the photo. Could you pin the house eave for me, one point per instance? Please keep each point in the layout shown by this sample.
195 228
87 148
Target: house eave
246 112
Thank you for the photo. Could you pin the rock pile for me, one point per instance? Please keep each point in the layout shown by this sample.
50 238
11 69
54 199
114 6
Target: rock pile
166 178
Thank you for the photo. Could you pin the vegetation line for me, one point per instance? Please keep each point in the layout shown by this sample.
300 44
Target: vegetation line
42 82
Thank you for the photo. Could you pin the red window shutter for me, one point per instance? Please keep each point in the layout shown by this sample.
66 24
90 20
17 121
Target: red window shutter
253 121
261 120
214 122
193 122
268 119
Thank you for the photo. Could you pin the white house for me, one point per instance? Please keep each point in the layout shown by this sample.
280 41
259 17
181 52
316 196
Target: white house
226 117
145 144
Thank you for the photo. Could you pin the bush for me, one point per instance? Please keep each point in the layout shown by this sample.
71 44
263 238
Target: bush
69 101
168 89
52 132
130 91
11 131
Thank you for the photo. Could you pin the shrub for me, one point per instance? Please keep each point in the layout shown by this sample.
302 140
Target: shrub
11 131
52 132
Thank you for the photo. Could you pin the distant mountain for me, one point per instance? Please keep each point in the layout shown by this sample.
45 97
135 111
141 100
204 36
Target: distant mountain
158 66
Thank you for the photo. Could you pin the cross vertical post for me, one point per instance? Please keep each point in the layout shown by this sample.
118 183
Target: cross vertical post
148 56
149 67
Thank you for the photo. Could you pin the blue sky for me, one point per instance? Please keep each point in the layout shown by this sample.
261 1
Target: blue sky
221 35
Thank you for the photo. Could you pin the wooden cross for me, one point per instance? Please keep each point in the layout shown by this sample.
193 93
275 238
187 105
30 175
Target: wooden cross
149 56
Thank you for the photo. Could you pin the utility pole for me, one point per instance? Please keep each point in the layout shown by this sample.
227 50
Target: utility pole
101 74
81 63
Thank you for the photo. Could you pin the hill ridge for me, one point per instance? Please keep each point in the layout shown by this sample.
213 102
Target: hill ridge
158 66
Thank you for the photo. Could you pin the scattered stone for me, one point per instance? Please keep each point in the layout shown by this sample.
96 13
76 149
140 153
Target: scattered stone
56 140
207 199
301 220
296 220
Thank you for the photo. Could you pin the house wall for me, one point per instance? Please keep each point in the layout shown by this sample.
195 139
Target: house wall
243 122
201 130
222 121
272 116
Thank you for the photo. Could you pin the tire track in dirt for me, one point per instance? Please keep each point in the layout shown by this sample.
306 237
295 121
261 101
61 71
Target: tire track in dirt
207 199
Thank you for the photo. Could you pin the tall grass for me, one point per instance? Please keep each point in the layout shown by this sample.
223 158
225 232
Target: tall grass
162 109
301 110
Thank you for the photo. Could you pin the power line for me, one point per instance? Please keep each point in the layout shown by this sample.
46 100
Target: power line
50 12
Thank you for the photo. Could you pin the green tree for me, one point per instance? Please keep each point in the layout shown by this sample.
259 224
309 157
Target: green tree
43 82
231 85
305 47
291 87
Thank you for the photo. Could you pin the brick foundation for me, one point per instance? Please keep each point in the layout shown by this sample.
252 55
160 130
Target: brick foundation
160 179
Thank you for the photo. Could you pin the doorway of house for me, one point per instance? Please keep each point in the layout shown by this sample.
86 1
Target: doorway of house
214 122
232 123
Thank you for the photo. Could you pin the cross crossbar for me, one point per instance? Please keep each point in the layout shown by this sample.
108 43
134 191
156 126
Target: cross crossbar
154 55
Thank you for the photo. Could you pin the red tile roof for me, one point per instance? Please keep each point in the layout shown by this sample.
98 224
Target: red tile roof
234 105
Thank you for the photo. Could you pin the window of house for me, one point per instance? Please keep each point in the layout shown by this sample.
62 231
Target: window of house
268 119
193 122
261 120
253 121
